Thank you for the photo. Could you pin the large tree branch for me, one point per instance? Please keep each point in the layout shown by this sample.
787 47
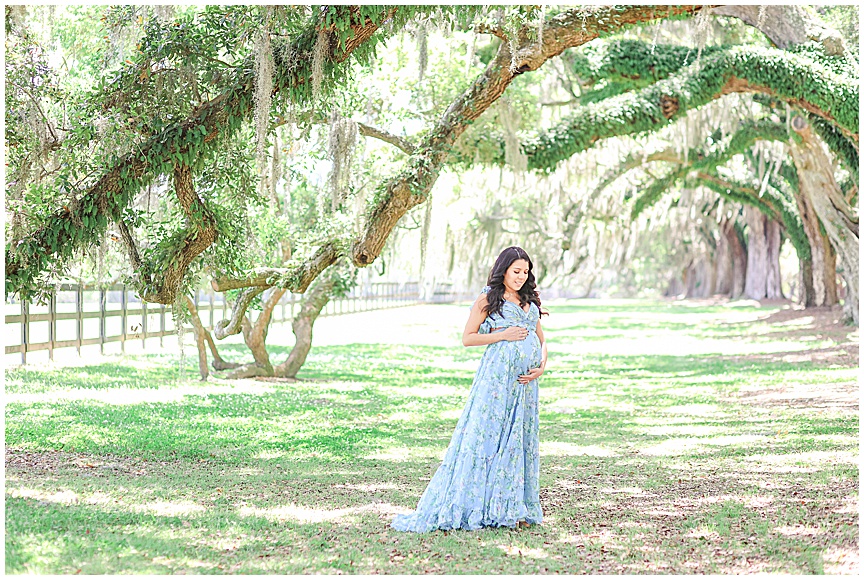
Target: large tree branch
208 125
233 325
699 167
738 192
793 78
412 185
786 25
162 286
708 159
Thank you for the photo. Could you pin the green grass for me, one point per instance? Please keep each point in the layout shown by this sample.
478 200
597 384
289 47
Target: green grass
674 439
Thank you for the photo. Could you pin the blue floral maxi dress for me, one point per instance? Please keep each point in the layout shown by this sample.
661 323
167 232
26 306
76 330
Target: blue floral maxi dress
490 474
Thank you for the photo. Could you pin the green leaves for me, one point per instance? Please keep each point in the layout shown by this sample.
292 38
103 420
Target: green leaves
786 75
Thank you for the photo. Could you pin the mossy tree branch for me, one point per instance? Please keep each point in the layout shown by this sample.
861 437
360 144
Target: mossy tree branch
709 158
411 186
191 142
700 168
793 78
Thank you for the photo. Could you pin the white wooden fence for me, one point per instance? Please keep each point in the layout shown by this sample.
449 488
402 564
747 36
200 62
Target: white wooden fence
85 315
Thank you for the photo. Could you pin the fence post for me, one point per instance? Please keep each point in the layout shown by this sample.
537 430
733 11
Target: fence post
123 319
79 307
161 324
143 324
52 323
25 330
103 295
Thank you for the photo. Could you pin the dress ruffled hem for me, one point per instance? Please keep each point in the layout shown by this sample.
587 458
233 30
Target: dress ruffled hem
458 517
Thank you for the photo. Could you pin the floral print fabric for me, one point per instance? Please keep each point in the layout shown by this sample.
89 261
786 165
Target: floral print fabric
491 469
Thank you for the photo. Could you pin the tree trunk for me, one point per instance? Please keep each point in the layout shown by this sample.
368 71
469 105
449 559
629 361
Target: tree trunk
675 288
823 284
723 263
313 303
818 185
202 336
850 296
807 296
690 281
255 336
710 268
700 279
829 274
200 340
756 283
773 288
739 258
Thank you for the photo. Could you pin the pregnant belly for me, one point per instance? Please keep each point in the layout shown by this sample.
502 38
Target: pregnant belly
525 354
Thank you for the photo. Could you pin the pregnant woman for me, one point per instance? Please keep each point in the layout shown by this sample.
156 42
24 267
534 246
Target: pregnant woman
491 469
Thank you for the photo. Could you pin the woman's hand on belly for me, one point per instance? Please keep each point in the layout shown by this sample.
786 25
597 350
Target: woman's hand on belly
513 333
531 375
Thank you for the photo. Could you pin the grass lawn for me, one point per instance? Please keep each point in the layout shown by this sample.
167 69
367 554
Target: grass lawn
675 438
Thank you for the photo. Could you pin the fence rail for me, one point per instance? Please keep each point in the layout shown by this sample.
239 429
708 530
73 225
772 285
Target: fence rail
140 320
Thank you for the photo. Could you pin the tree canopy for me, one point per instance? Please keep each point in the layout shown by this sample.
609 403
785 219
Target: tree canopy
169 131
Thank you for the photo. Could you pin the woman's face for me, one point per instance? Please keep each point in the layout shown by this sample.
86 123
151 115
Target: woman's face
516 275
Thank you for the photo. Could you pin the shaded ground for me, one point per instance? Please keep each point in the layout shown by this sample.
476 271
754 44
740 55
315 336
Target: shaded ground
675 438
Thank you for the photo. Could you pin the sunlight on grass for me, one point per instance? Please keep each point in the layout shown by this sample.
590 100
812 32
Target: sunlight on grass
303 514
65 497
536 553
808 460
166 393
661 451
564 449
799 530
627 490
690 445
403 454
841 561
694 410
695 430
168 508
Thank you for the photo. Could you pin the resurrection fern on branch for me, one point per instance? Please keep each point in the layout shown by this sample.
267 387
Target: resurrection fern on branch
794 78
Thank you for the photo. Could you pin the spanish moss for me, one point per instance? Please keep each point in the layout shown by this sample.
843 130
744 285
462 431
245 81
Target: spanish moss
264 68
340 149
422 50
322 48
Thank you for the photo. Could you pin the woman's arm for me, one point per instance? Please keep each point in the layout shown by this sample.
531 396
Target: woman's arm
542 346
471 335
535 373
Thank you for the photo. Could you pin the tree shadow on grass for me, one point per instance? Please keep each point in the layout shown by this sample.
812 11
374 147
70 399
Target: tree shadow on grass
649 464
603 515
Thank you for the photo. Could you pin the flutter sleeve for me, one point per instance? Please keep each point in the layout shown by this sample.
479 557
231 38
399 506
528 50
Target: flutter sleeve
486 325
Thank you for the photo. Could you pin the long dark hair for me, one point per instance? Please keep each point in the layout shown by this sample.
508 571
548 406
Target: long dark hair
527 293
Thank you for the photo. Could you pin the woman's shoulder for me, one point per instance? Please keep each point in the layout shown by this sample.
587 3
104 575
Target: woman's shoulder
481 300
